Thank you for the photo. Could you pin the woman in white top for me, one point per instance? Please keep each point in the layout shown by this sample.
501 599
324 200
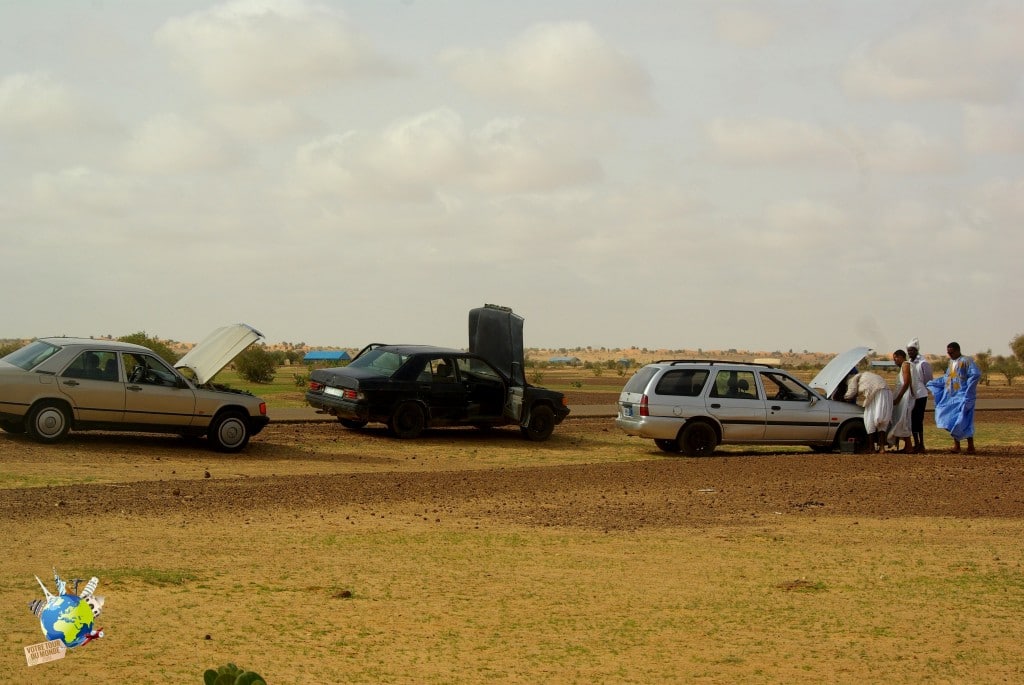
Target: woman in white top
902 402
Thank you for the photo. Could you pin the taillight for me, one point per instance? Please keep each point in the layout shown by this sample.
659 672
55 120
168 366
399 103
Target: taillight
348 394
316 387
263 408
644 409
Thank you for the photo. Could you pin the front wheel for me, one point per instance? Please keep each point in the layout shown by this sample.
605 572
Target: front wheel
48 422
408 421
541 424
229 432
697 439
853 431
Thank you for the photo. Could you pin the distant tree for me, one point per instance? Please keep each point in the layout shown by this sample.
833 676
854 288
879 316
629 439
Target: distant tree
1009 367
1017 345
162 349
256 365
984 362
7 348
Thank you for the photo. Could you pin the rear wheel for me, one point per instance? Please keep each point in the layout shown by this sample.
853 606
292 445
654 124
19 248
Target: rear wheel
48 422
670 446
354 424
408 421
541 425
697 439
229 432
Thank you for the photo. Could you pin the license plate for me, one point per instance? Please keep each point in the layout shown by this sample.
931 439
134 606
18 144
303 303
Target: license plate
627 410
337 392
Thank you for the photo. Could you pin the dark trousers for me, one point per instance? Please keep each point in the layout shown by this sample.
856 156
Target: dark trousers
917 415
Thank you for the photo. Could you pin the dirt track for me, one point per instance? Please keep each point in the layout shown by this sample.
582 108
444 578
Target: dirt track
734 486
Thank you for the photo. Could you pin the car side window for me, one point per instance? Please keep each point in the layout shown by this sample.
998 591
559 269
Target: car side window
93 365
781 387
682 382
146 369
472 367
440 371
737 385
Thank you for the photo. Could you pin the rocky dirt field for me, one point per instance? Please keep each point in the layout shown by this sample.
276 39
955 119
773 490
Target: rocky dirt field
587 475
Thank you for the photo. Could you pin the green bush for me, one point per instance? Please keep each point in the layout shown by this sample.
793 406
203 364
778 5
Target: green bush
162 349
256 365
229 674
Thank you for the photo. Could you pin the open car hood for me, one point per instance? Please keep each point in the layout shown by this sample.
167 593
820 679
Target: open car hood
215 352
829 378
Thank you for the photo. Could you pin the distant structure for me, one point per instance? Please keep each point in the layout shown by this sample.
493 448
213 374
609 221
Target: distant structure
569 361
326 356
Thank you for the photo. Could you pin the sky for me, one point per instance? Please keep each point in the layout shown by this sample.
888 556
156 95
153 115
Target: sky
769 175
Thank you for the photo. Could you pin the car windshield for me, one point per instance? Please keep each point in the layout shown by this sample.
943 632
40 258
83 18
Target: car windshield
31 355
380 360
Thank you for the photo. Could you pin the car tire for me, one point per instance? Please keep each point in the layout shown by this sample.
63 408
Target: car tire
541 424
48 422
670 446
229 431
13 427
408 421
853 430
354 424
697 439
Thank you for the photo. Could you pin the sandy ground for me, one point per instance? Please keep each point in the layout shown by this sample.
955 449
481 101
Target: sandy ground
649 489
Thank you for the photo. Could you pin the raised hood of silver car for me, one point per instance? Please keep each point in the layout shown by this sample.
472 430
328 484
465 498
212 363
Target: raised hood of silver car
217 350
829 378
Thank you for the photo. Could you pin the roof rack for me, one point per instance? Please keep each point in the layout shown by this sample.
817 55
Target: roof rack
710 362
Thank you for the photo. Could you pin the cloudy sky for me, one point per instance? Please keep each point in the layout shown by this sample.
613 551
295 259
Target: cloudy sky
770 175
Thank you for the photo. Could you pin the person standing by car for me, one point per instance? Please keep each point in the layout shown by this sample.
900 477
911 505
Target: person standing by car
903 402
869 390
921 373
955 396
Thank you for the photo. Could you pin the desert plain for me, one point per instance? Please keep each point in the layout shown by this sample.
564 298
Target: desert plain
323 555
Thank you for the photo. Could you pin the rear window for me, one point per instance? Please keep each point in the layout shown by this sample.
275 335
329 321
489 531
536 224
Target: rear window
638 383
685 382
32 355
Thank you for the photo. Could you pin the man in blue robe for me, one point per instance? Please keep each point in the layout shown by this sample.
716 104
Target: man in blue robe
955 395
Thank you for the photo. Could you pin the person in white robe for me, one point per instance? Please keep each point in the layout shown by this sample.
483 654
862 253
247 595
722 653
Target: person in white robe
870 391
903 402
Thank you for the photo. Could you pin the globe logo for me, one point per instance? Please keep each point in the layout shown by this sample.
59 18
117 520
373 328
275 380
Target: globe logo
66 616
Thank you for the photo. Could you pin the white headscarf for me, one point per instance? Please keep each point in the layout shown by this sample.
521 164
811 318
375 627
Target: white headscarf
914 343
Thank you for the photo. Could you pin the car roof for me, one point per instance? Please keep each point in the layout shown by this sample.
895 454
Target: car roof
424 349
708 362
94 343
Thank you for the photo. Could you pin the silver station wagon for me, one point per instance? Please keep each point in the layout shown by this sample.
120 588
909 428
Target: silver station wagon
53 385
692 406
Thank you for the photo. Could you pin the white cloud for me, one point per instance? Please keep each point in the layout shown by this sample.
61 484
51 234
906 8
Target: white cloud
433 154
264 122
745 27
267 48
972 53
564 66
773 140
896 148
994 130
170 143
38 104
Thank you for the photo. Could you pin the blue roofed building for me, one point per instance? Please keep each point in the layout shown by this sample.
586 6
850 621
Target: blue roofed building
314 356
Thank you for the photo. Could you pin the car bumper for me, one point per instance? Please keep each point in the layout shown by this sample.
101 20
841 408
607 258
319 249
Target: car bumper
257 424
652 427
335 406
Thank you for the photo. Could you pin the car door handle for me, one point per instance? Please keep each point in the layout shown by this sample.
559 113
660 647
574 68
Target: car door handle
71 383
776 407
134 388
716 405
